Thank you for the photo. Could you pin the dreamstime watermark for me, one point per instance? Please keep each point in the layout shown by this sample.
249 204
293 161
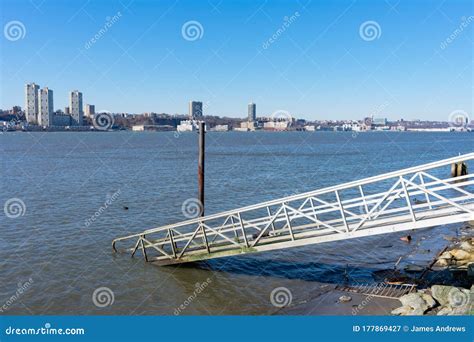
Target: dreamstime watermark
460 29
191 208
14 30
22 288
370 30
109 22
459 298
459 119
198 288
366 211
281 115
103 296
108 202
46 330
281 297
366 301
287 21
205 106
192 30
281 119
103 120
14 207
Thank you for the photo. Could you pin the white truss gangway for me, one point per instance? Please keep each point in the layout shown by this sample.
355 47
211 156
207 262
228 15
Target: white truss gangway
418 197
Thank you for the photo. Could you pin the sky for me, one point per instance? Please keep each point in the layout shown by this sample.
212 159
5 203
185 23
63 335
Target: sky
338 59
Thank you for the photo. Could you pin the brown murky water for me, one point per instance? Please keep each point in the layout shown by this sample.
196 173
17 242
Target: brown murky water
64 178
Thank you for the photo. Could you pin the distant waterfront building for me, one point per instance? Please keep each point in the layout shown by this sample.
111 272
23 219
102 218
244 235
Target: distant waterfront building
75 108
248 126
221 128
66 110
276 125
252 112
61 119
379 121
16 110
46 107
187 126
195 109
90 110
31 103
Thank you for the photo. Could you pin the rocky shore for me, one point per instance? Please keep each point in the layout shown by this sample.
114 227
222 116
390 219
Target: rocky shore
437 300
458 261
442 284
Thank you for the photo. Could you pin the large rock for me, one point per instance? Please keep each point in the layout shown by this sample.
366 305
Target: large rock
465 245
460 254
416 312
440 293
458 297
441 263
402 310
445 310
429 300
463 262
450 295
415 301
446 255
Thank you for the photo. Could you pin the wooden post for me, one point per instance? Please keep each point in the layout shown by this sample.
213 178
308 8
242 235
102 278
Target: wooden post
202 126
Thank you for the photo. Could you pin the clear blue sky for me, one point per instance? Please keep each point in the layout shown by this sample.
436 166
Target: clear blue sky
318 68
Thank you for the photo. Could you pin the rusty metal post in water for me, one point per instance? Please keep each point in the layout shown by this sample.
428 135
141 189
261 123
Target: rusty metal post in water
202 147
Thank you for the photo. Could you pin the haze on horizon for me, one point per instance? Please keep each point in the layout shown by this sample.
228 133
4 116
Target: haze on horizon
316 60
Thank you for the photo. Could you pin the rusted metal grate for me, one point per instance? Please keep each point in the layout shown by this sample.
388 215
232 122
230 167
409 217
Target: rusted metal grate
383 290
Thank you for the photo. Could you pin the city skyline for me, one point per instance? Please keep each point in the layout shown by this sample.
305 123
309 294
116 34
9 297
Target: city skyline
75 110
314 60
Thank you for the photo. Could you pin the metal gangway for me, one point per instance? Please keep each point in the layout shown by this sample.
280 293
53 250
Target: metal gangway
414 198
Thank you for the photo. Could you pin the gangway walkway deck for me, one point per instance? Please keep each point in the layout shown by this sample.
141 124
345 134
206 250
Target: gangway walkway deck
414 198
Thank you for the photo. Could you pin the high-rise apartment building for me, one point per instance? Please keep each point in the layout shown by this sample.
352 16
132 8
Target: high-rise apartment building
75 108
46 107
90 110
252 112
31 103
195 109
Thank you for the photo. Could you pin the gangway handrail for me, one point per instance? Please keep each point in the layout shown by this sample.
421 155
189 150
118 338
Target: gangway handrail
330 189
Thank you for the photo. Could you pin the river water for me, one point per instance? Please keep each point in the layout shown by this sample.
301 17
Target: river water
64 178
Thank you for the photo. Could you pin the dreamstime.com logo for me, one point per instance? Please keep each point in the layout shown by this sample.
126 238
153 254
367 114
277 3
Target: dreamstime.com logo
110 199
46 330
366 301
459 119
458 298
370 30
287 21
22 288
192 30
14 207
103 121
102 297
198 289
465 22
109 22
281 115
14 30
191 208
281 297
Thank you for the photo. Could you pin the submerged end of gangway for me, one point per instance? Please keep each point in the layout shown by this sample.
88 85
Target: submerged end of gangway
419 197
